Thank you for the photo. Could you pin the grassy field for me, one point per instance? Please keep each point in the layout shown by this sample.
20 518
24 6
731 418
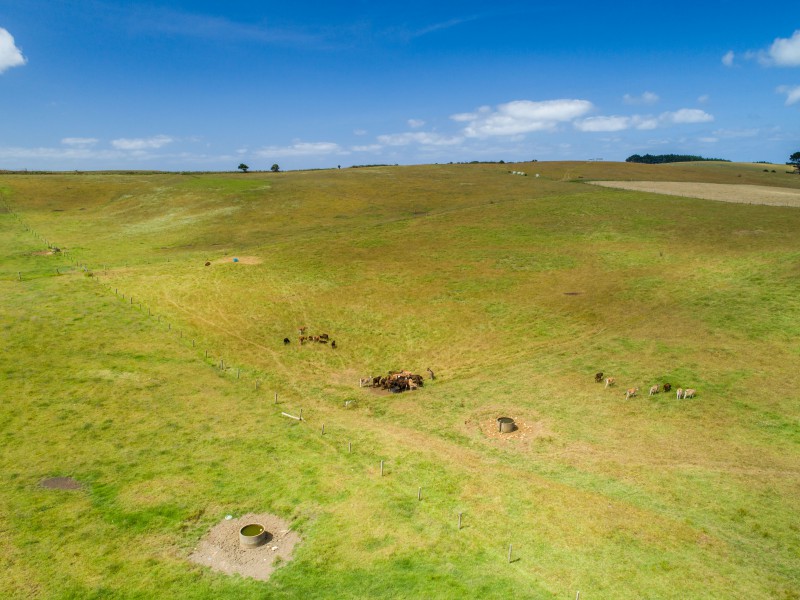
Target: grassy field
514 290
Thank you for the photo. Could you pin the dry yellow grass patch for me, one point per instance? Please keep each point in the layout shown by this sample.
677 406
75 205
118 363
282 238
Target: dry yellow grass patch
723 192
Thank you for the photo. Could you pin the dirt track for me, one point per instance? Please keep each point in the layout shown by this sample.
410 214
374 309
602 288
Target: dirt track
723 192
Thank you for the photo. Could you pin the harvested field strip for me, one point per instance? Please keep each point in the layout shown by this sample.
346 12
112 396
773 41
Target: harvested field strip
723 192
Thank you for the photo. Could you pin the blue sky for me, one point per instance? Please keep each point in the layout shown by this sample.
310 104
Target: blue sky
206 85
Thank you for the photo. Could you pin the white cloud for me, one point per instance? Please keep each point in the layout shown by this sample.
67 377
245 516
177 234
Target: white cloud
792 93
785 52
642 122
727 58
596 124
708 140
141 143
420 137
79 142
367 148
10 55
645 123
703 99
522 116
736 133
686 115
415 123
360 132
645 98
302 149
471 116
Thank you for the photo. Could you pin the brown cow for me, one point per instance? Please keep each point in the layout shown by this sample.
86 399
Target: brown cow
610 381
598 377
630 392
667 387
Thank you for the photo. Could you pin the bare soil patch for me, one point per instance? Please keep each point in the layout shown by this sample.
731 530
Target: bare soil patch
220 549
60 483
528 428
723 192
243 260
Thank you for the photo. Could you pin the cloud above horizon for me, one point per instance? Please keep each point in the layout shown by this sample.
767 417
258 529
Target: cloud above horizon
607 124
792 93
301 149
521 116
645 98
10 55
785 52
79 142
157 141
424 138
728 58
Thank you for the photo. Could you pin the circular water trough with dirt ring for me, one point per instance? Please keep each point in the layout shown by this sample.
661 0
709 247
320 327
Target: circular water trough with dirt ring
252 535
506 425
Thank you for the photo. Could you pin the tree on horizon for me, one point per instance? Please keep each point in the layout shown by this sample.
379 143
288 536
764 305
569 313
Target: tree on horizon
243 167
794 160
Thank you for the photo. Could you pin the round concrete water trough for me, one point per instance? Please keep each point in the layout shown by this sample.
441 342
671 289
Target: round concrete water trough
505 425
252 535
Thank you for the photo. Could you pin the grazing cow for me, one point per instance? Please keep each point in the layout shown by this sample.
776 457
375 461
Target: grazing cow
630 392
431 373
667 387
208 264
302 330
333 344
654 390
689 393
323 336
679 393
610 381
365 381
303 339
286 341
598 377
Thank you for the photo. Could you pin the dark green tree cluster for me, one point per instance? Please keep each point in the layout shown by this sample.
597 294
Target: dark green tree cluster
657 159
794 160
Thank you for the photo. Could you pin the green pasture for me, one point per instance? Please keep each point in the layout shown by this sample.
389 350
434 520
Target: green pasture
514 290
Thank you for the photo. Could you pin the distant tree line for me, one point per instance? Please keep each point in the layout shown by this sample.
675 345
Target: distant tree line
657 159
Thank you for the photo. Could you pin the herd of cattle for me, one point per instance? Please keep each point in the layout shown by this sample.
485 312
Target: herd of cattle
655 389
322 338
395 381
